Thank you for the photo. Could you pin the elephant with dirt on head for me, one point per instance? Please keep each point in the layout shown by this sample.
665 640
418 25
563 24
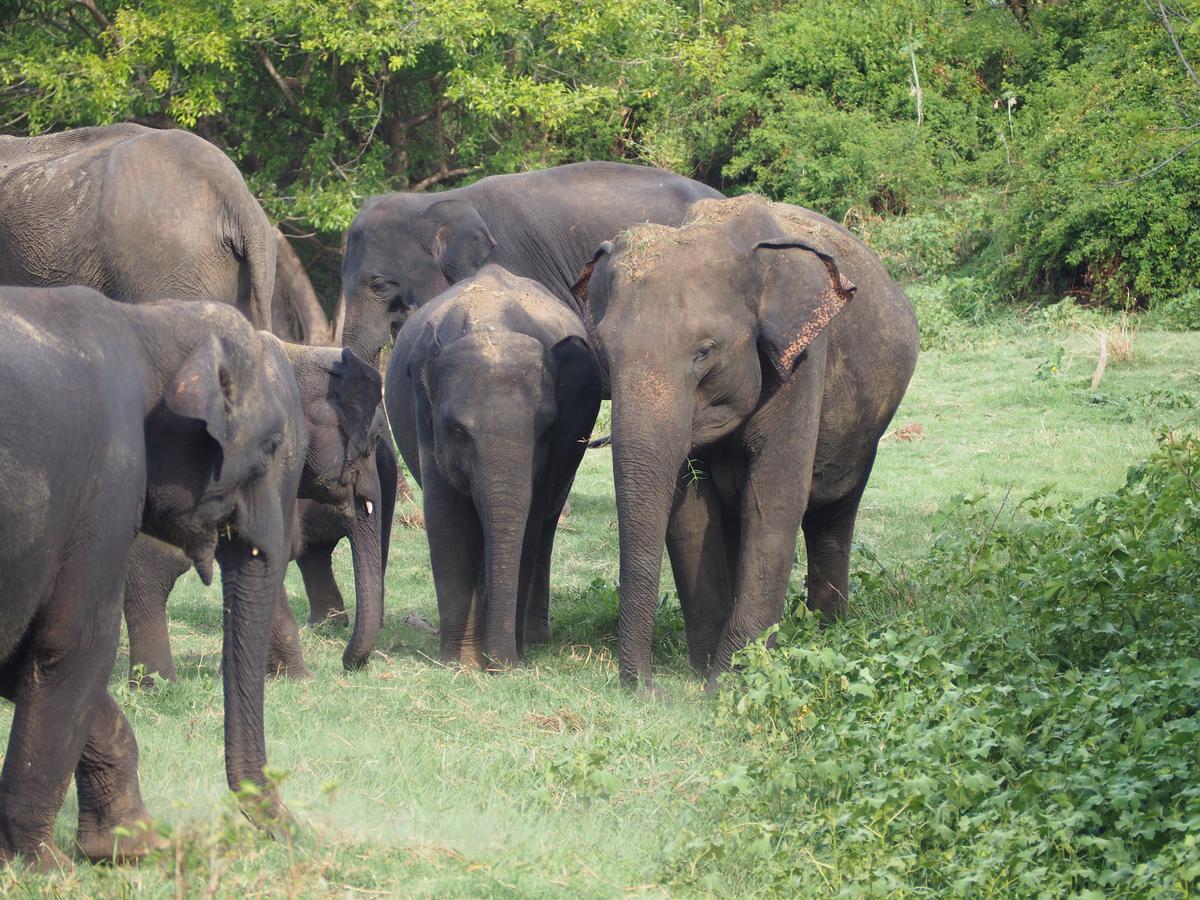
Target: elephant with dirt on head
118 418
404 249
137 213
492 391
332 461
755 356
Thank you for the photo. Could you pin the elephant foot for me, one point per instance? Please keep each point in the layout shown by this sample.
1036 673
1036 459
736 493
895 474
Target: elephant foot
124 842
142 679
47 859
335 617
292 670
265 810
650 690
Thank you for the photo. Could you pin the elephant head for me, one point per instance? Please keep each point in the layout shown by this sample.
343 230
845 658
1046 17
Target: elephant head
341 398
399 255
212 445
695 328
498 406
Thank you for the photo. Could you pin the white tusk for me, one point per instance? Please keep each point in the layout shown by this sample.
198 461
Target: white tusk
254 551
370 507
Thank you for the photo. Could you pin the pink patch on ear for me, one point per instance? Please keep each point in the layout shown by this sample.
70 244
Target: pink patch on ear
832 302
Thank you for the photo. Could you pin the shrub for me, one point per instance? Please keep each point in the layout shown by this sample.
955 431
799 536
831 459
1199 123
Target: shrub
1033 729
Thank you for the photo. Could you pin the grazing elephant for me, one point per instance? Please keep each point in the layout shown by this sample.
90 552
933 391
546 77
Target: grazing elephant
404 249
492 391
136 213
329 460
116 419
756 356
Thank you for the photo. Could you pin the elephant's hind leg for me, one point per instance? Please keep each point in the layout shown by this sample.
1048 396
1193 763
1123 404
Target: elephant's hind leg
828 532
113 822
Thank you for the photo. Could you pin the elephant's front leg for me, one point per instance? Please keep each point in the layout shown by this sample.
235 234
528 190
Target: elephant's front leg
284 658
703 544
325 601
774 496
456 556
56 680
113 822
153 569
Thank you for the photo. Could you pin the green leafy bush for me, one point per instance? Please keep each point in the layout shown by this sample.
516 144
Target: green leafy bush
1049 745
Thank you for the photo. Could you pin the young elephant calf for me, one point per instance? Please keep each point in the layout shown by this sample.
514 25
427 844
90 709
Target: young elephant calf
492 390
332 461
117 419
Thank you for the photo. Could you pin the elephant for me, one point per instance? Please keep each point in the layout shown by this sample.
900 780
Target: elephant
296 313
137 213
403 249
117 418
755 356
492 390
330 462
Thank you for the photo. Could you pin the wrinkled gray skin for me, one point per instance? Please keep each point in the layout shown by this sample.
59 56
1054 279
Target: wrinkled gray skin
116 419
329 460
296 313
769 345
404 249
492 391
136 213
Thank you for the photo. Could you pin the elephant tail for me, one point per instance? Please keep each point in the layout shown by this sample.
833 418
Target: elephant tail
599 442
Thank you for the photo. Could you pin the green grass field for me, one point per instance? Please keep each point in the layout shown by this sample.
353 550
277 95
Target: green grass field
424 780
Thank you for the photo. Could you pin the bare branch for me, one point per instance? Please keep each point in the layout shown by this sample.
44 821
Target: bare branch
100 19
1166 20
274 73
442 175
1158 166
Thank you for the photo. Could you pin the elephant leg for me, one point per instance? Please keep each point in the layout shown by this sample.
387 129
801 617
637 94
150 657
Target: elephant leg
828 533
774 496
703 543
284 658
456 555
325 601
534 626
110 798
153 569
56 679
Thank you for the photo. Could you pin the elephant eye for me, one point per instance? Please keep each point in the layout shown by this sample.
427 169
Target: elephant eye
271 445
705 350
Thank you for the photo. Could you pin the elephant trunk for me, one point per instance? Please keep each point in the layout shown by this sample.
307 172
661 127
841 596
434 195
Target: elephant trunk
253 563
366 546
504 507
650 439
365 329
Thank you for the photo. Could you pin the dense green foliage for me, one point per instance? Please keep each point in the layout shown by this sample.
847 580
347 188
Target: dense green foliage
1035 728
889 114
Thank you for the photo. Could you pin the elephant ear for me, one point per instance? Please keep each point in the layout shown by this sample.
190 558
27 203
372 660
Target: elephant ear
579 290
462 243
203 390
577 387
354 388
794 308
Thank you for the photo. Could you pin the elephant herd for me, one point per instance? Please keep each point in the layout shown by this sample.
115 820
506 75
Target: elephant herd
754 354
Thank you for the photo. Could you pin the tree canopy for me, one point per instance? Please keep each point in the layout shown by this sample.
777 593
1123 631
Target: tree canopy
1031 145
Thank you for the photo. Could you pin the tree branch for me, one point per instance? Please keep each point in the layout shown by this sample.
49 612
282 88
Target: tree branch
274 73
1161 164
1166 20
100 19
441 175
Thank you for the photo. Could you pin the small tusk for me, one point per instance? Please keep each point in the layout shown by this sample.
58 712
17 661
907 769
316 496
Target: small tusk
370 507
254 551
